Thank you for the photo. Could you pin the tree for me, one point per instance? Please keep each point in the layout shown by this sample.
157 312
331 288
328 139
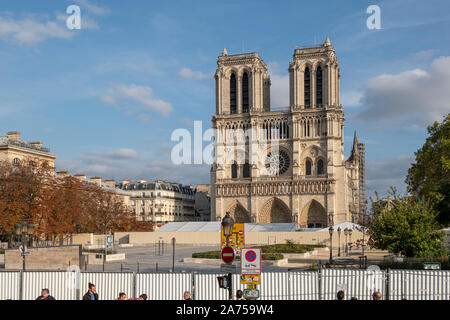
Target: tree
405 225
429 176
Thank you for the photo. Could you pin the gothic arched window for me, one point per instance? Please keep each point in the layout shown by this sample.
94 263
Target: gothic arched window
234 171
246 170
245 103
320 167
308 167
307 88
319 86
233 105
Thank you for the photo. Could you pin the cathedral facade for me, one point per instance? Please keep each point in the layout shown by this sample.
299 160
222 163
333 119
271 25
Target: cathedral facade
289 163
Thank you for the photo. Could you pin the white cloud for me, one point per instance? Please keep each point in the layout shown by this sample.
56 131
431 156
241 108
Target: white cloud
144 118
414 97
384 173
351 98
190 74
30 30
92 8
423 54
136 99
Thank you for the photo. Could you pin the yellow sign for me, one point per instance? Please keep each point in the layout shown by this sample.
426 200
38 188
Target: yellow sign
251 286
250 279
237 238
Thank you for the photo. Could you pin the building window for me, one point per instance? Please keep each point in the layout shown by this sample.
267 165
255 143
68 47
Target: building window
246 170
320 167
233 105
234 171
308 167
307 88
319 86
245 103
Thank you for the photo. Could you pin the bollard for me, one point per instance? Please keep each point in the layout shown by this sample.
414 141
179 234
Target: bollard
138 267
157 267
121 268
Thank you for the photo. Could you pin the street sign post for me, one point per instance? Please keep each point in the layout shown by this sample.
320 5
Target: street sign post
251 293
228 268
109 239
227 254
250 279
251 261
236 240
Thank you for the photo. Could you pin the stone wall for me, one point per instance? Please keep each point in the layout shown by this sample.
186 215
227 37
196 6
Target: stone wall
45 258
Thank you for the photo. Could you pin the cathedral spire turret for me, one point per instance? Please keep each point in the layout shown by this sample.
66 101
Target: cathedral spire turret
327 42
224 52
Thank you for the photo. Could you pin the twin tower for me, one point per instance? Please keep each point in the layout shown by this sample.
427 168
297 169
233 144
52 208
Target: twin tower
313 184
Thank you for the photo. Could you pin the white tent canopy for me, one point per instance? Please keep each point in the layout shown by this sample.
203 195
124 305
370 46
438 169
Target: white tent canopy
214 226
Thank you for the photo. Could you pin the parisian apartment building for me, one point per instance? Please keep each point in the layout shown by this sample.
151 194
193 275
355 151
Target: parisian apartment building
161 201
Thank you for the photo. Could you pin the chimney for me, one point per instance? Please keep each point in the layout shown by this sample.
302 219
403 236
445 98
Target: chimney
81 177
62 174
111 183
13 135
37 144
125 181
143 181
96 180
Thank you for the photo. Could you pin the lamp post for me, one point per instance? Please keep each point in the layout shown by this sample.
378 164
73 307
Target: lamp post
331 230
24 230
339 237
227 227
346 241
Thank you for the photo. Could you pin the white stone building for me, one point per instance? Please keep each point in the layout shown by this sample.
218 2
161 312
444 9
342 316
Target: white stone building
290 164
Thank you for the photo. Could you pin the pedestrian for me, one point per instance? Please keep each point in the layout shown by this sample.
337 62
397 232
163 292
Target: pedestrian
142 297
340 295
45 295
91 294
239 295
353 298
187 295
376 295
122 296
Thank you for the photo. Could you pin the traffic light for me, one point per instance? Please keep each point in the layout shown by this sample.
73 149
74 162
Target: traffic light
224 282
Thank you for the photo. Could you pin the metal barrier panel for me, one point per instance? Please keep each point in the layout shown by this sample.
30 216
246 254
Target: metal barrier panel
360 284
419 284
56 281
9 285
274 286
163 286
304 285
108 284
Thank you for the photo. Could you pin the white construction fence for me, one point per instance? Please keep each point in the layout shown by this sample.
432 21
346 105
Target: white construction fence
304 285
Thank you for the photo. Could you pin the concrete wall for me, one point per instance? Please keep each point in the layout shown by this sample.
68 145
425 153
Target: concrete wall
45 258
213 238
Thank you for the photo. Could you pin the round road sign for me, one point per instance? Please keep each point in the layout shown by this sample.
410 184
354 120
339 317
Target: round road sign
228 254
250 256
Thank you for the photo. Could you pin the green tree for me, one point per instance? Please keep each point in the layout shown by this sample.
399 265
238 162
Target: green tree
405 225
429 176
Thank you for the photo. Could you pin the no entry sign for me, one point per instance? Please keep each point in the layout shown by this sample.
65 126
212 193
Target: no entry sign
228 254
251 261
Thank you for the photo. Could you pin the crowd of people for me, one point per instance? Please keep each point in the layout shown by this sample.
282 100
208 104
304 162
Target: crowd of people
92 294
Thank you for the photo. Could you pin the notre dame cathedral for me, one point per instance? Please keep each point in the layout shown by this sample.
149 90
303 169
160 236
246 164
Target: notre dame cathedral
313 184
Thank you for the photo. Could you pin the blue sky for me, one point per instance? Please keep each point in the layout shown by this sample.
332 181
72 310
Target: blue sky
106 98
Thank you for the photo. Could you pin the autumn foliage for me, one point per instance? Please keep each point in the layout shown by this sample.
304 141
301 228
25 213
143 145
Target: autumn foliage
59 207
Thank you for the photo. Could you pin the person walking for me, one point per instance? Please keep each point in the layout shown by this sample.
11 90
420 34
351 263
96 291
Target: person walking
187 295
376 295
239 295
122 296
142 297
91 294
340 295
45 295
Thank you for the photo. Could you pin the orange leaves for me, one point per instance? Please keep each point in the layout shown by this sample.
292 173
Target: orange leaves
59 207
